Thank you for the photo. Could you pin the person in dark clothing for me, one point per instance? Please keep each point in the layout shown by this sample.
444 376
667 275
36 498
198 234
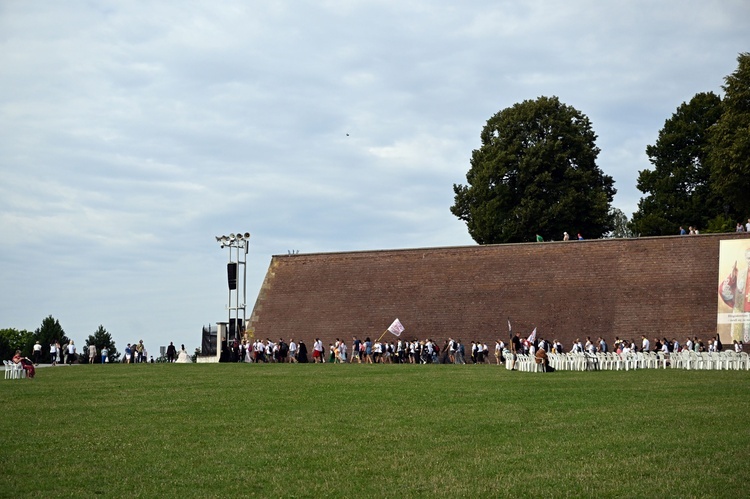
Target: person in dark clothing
302 353
171 352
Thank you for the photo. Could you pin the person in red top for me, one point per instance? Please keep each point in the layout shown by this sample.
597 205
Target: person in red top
26 363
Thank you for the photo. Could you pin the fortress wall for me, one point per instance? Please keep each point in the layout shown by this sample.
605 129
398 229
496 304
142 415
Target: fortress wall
660 287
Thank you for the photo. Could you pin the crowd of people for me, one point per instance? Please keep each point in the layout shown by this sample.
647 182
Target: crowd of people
135 353
363 351
452 351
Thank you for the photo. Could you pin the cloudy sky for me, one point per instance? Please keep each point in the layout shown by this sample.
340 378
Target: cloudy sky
135 132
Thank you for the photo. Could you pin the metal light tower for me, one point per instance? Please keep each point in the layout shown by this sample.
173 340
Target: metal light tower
237 280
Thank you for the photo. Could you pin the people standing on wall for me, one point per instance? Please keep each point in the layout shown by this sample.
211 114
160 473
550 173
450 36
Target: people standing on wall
566 236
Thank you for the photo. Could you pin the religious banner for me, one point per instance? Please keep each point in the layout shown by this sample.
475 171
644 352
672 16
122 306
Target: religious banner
733 312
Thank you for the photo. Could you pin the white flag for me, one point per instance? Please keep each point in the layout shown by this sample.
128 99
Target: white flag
532 336
396 328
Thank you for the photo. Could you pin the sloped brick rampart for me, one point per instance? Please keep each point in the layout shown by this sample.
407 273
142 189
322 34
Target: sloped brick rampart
660 287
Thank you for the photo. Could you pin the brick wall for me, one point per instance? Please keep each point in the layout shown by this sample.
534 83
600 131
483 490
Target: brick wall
661 286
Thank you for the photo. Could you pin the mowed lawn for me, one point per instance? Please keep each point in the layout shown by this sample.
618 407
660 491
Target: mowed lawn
383 430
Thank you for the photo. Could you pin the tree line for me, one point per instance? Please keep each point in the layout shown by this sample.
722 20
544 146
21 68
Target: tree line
49 332
535 174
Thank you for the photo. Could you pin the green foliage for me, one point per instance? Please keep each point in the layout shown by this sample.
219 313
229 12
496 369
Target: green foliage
320 430
48 332
678 190
620 224
721 223
730 141
701 174
12 340
100 339
535 173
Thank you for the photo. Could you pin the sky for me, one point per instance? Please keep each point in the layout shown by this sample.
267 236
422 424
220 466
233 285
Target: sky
133 133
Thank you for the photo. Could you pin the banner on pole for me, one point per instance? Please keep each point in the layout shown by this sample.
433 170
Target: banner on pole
532 336
396 328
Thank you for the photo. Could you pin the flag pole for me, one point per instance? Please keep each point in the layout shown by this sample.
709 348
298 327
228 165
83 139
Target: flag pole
381 336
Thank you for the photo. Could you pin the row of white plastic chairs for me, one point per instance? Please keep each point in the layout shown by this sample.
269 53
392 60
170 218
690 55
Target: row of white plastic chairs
728 360
13 370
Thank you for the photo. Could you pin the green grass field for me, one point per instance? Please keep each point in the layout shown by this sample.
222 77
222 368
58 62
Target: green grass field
383 430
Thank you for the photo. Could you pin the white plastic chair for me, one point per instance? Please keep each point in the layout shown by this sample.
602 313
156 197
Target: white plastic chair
729 358
661 360
743 360
605 361
675 360
616 361
16 370
552 357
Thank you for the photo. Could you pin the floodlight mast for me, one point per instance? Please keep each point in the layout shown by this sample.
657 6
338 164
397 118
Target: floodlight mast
238 245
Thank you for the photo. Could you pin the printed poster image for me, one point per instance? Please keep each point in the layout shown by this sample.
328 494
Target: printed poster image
733 312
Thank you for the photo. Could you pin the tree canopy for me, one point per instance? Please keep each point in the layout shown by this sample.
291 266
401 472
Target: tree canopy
701 159
100 339
678 189
535 173
12 339
730 140
49 331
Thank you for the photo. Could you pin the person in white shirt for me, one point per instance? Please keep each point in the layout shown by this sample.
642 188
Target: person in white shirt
645 344
53 353
37 353
292 350
92 353
318 351
71 352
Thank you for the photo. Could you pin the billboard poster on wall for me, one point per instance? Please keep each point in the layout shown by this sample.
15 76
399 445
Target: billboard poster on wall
733 313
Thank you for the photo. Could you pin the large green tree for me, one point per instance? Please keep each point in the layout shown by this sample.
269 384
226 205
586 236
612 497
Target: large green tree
49 331
620 224
678 190
12 339
100 339
535 173
730 141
